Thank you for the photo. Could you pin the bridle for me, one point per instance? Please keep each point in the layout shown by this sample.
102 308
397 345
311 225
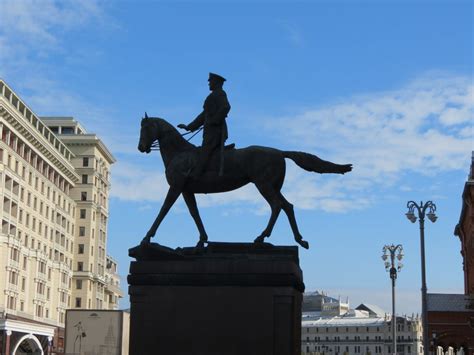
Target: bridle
155 145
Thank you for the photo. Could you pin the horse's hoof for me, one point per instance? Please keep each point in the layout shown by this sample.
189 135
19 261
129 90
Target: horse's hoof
145 241
303 243
200 244
259 239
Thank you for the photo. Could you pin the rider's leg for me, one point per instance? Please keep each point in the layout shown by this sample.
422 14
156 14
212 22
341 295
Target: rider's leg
205 154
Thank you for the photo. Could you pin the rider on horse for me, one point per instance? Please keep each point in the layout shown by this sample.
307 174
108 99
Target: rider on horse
212 119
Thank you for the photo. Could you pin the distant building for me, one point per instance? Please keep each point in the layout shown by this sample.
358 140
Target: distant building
54 226
451 316
318 303
364 330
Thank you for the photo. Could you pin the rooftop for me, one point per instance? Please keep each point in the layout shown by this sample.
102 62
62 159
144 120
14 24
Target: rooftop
372 309
344 322
442 302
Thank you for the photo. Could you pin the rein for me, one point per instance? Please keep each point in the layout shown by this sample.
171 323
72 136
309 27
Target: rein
156 146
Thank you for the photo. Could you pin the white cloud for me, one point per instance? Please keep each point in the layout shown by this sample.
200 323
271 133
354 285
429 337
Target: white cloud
37 20
34 31
384 137
134 183
424 127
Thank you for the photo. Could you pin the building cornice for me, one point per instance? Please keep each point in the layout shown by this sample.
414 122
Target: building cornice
88 140
26 114
39 142
26 327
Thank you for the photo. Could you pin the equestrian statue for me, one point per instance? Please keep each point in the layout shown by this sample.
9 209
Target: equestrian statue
215 167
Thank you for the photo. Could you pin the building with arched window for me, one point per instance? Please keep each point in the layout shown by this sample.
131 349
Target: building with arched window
54 218
451 316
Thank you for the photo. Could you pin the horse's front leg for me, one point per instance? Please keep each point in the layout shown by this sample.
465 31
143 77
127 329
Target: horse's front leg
171 197
190 200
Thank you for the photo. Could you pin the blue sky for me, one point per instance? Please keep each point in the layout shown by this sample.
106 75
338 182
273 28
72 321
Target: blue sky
385 85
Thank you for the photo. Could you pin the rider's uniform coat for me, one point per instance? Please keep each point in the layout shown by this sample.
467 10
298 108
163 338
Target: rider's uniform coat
212 118
216 107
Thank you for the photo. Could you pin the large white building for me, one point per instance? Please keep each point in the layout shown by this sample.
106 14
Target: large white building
364 330
54 217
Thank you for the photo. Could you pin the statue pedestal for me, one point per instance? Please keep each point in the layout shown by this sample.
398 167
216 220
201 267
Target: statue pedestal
226 298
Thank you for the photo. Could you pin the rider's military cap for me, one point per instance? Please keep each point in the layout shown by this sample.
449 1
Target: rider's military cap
216 77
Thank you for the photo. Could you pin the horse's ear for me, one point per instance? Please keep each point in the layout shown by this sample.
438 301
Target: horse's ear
146 116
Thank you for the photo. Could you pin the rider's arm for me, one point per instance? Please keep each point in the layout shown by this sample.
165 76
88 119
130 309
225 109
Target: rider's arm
197 122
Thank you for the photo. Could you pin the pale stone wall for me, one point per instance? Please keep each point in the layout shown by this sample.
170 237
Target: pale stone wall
92 162
352 335
37 214
41 186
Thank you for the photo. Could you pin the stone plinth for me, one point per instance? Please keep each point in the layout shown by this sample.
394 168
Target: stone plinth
226 298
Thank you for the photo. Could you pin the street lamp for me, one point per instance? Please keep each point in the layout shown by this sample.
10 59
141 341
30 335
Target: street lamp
395 253
422 208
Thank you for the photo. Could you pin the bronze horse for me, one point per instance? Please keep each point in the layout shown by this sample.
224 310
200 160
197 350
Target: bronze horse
263 166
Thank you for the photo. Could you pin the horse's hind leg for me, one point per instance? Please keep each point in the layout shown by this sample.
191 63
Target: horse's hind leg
288 208
193 210
271 196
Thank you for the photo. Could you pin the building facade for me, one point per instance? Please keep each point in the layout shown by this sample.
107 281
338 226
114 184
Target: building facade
41 185
357 332
451 316
94 284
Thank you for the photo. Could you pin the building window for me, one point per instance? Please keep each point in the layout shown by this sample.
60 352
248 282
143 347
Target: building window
39 311
82 231
67 130
80 248
83 196
85 161
82 213
78 284
78 302
84 179
80 266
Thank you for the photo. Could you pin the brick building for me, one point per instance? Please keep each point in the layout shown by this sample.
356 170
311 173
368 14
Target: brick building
451 316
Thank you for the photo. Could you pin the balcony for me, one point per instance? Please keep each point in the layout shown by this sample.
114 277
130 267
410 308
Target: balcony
14 264
112 288
12 288
42 277
39 297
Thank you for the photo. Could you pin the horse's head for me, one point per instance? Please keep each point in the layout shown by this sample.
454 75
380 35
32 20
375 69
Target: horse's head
148 134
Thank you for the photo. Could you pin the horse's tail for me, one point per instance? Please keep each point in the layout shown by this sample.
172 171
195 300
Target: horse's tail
312 163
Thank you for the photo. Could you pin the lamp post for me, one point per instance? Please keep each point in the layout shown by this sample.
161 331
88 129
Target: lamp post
422 208
393 266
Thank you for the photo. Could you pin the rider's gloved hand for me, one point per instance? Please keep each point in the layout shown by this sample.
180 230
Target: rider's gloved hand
183 126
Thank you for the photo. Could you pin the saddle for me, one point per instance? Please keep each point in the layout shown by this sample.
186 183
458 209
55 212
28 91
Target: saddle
213 164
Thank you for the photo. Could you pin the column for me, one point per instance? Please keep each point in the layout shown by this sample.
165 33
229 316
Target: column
7 341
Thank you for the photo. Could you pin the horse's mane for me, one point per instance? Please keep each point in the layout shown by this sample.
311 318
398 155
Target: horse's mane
172 134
